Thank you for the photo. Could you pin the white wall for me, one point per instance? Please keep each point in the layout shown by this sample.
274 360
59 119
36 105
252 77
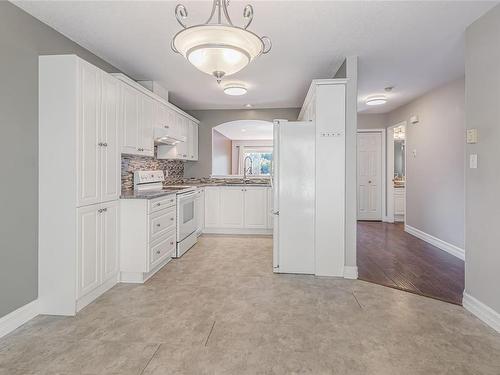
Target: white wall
372 121
221 154
435 177
482 244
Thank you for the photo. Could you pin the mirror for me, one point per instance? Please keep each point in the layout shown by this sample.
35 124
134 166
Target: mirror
399 162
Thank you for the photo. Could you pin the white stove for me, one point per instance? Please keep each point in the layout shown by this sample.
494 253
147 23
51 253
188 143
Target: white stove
152 181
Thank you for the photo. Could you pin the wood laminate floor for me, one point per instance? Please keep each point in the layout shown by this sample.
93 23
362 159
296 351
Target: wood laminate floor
389 256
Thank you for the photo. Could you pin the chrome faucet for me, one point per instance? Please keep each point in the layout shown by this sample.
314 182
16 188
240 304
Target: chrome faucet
250 168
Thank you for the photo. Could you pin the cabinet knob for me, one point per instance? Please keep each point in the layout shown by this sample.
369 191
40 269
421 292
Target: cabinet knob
158 204
171 219
158 252
104 210
158 225
105 144
99 210
171 242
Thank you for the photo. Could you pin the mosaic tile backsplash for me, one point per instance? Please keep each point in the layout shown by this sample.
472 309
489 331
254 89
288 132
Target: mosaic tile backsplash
131 163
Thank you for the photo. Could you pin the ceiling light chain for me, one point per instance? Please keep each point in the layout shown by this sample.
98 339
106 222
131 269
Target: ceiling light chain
219 48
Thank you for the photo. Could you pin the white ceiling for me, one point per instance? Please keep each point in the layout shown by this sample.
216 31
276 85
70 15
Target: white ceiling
243 130
414 46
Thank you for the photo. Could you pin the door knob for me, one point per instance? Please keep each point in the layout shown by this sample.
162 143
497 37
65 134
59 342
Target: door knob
369 181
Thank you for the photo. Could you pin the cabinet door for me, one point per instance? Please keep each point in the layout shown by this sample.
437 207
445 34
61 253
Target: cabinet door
110 240
195 141
231 207
110 151
212 207
88 135
182 147
160 118
270 216
88 223
190 136
255 208
130 120
146 126
200 210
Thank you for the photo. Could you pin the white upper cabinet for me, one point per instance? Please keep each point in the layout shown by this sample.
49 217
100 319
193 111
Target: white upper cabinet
146 143
88 135
98 174
195 140
109 138
192 140
130 107
255 207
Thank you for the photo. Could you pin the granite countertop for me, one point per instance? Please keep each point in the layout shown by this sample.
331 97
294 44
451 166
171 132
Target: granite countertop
204 184
132 194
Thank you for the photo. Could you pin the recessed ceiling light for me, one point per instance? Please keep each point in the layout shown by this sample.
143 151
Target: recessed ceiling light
243 130
248 105
376 100
235 89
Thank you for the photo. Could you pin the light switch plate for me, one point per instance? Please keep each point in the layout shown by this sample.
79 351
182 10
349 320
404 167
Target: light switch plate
471 136
473 161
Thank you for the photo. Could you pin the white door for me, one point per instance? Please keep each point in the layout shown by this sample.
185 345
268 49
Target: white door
89 242
146 126
294 184
270 216
231 207
130 120
88 136
369 176
212 207
110 174
110 240
255 208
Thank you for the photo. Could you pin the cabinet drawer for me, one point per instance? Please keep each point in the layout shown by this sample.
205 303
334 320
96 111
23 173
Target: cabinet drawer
163 248
161 222
158 204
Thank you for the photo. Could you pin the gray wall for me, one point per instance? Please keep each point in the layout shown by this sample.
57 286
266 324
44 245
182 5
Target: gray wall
372 121
22 39
435 177
482 244
211 118
222 154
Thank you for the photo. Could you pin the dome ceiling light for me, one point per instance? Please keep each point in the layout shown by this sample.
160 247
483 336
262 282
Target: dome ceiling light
235 89
219 48
376 100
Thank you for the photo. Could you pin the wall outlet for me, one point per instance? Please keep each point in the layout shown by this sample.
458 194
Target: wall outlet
473 161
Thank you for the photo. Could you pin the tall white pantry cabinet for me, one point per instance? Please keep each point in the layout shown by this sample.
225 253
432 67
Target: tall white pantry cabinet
79 183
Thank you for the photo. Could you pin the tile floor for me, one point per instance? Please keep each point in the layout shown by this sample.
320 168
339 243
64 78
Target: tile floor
221 310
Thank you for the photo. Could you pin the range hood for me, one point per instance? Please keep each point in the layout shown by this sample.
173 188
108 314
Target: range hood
162 136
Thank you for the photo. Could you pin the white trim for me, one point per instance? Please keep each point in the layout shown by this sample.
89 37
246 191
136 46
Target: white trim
482 311
440 244
350 272
17 318
383 187
246 231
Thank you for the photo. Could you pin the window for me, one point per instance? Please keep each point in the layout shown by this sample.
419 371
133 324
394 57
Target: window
261 162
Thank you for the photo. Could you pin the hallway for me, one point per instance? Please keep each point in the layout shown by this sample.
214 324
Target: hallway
389 256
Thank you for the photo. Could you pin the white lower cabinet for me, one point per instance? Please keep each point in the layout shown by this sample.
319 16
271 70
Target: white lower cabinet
236 209
148 236
200 210
399 204
98 250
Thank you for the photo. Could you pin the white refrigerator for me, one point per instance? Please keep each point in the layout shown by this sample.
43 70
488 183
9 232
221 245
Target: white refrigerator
293 182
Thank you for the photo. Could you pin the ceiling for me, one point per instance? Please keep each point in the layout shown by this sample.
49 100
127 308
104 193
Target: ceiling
243 130
411 45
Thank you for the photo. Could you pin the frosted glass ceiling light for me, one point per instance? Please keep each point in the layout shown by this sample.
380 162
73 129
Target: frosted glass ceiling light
235 90
376 100
219 48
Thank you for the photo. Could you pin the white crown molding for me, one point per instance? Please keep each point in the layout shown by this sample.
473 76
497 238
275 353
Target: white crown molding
482 311
440 244
350 272
17 318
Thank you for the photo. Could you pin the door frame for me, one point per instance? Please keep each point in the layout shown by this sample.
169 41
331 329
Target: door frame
390 170
383 189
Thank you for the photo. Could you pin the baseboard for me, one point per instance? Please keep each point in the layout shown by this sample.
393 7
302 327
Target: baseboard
18 317
142 277
245 231
440 244
482 311
350 272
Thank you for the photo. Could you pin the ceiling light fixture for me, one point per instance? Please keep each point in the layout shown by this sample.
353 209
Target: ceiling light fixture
219 48
235 90
376 100
248 106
